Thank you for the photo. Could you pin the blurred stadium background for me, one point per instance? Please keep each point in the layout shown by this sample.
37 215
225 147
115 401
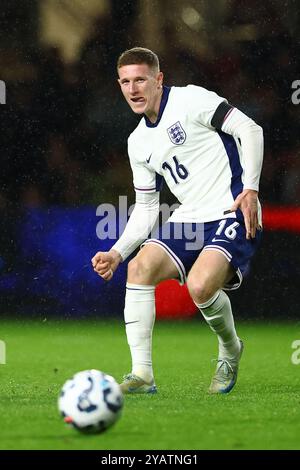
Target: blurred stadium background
64 128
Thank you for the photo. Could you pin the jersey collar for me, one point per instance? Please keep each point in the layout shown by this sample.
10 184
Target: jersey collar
163 103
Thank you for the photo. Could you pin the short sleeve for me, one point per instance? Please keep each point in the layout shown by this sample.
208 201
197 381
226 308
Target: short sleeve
203 104
145 179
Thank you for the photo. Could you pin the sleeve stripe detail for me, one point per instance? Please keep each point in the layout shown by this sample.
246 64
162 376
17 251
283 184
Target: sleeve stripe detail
229 112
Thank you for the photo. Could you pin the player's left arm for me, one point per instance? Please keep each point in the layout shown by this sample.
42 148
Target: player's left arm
234 122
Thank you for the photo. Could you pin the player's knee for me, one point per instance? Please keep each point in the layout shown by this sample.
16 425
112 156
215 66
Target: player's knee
140 271
200 290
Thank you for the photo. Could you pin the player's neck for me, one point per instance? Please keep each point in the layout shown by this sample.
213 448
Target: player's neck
152 114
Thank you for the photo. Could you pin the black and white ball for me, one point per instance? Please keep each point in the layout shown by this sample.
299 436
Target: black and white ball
91 401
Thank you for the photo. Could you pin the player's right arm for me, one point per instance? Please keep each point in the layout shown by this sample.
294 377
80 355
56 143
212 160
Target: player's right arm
143 217
105 263
139 225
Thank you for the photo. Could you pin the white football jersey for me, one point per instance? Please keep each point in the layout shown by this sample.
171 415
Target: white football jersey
202 166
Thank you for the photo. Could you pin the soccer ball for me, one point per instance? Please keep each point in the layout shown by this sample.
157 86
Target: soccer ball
91 401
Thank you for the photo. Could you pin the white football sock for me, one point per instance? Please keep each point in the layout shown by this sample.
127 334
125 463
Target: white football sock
139 315
218 314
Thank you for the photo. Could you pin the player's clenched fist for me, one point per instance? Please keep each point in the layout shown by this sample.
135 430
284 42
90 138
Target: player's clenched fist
105 263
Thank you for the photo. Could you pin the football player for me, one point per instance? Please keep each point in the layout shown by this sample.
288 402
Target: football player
210 155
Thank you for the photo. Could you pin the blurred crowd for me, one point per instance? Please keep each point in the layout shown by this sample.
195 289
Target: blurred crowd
64 128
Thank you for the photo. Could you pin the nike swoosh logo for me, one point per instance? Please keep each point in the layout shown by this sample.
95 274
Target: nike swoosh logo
148 159
219 240
128 323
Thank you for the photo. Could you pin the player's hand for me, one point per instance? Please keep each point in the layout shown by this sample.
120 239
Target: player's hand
247 202
105 263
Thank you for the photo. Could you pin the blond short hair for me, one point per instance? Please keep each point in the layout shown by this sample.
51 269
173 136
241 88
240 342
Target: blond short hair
139 55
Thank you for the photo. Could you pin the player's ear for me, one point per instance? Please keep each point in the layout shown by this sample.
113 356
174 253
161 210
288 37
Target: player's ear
160 78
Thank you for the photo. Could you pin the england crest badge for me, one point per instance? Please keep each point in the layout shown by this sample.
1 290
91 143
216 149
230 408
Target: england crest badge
177 134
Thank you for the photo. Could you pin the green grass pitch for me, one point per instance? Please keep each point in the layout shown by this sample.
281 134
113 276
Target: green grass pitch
262 412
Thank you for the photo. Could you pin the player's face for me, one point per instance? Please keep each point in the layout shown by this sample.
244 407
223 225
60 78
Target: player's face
142 89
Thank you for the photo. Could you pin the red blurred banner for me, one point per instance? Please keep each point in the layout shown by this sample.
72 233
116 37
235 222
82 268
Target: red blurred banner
173 301
281 218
